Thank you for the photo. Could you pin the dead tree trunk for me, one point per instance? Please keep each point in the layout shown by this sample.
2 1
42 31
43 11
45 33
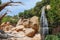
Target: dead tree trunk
2 17
2 6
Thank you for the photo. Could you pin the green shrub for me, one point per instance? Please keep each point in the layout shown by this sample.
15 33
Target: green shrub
58 35
51 37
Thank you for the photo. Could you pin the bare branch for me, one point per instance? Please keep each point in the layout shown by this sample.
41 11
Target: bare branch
2 16
2 6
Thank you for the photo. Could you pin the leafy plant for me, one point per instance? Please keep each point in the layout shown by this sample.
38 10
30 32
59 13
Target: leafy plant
58 35
51 37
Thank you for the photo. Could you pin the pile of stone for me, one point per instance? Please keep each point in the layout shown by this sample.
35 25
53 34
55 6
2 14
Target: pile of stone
6 26
26 29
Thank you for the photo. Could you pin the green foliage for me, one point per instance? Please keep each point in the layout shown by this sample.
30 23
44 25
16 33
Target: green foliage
53 15
6 19
58 35
51 37
45 2
26 14
12 20
0 1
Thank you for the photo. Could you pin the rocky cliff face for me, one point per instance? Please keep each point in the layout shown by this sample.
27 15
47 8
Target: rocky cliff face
26 29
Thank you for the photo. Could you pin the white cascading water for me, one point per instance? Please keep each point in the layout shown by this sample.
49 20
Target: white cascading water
44 22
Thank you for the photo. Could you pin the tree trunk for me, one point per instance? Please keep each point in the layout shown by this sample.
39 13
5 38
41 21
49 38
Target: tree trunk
2 6
2 17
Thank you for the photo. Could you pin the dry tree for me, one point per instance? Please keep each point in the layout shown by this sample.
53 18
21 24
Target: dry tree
2 6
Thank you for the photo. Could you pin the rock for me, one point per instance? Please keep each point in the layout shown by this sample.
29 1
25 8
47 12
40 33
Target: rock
26 23
37 37
20 34
2 26
20 22
8 27
12 39
24 38
29 32
27 38
25 29
19 28
14 32
3 23
34 23
19 39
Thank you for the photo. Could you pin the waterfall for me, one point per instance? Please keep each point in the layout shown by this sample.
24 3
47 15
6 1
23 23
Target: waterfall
44 23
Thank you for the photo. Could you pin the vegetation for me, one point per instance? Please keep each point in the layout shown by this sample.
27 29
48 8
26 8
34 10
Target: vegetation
53 15
13 20
0 1
52 37
7 18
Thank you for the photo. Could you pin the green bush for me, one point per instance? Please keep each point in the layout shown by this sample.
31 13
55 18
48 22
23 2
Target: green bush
58 35
6 19
51 37
12 20
0 1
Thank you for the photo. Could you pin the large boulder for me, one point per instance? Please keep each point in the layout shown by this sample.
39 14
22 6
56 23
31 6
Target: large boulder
6 26
37 37
34 23
20 22
23 38
27 38
18 28
29 32
20 34
26 23
2 26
